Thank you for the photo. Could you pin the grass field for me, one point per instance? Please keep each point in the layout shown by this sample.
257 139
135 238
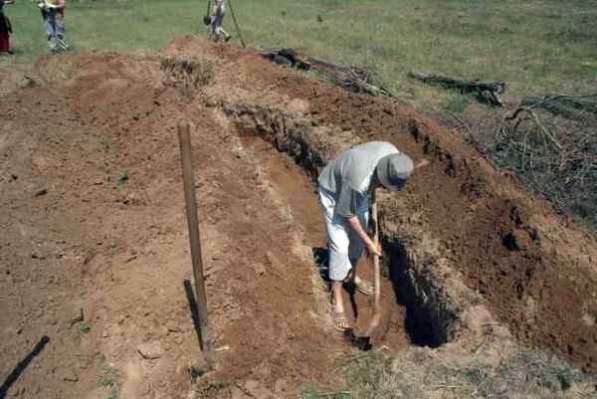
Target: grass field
537 47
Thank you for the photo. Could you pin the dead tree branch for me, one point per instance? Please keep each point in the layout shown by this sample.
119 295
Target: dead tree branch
351 78
571 107
486 92
555 156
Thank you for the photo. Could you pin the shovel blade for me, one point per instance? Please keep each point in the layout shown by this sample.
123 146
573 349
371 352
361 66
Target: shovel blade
362 343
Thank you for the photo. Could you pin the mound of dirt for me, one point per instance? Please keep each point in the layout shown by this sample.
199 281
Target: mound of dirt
94 252
535 269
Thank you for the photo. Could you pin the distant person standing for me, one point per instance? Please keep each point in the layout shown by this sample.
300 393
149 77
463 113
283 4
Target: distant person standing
52 12
217 18
5 28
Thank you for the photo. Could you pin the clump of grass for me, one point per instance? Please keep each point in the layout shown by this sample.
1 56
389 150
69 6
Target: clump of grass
84 328
187 73
110 379
209 389
457 103
122 180
424 374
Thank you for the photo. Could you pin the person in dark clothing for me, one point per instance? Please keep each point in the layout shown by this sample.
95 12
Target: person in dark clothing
5 28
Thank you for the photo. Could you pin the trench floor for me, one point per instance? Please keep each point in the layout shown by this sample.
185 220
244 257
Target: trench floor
300 195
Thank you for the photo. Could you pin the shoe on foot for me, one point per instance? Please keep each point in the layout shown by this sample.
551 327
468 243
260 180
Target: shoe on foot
340 321
227 38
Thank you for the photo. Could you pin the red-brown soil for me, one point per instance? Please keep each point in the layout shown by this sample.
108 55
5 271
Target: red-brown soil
92 218
536 269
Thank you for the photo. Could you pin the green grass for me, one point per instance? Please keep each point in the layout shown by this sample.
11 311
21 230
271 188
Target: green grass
110 380
84 328
104 25
535 46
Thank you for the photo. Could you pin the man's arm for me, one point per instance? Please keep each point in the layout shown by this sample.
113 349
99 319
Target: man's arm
356 225
346 207
58 6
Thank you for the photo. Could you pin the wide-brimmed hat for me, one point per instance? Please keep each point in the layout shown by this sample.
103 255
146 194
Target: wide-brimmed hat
393 170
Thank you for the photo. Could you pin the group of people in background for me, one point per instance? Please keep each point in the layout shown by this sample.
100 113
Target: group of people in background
52 12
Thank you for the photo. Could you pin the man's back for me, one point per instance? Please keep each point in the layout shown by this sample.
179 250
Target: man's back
355 167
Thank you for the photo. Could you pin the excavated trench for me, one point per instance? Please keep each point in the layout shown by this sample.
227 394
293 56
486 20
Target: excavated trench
427 322
414 310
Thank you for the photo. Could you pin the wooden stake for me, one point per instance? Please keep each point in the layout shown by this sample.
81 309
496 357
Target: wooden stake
184 138
236 24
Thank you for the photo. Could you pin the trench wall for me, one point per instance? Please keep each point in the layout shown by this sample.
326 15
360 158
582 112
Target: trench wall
432 291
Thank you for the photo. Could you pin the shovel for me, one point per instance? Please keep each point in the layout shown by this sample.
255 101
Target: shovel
207 17
364 342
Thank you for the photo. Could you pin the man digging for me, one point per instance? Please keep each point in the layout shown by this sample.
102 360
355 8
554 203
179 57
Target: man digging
345 187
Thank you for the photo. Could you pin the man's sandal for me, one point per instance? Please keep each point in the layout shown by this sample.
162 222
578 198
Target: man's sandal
340 321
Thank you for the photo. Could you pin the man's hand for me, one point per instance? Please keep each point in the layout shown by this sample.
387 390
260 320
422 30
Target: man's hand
374 249
356 225
422 164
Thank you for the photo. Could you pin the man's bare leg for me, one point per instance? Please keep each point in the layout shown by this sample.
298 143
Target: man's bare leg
338 302
340 319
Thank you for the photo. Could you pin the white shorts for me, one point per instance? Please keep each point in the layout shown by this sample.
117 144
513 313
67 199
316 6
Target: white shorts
345 246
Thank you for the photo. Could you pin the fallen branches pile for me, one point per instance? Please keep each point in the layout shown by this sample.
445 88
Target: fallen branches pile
351 78
486 92
553 154
566 106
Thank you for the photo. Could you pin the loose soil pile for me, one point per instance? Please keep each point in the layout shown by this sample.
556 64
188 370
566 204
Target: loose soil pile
94 250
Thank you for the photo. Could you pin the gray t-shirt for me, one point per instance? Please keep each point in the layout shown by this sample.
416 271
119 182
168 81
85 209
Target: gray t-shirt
348 178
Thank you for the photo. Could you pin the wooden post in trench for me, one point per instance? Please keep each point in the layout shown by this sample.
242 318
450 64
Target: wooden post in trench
184 138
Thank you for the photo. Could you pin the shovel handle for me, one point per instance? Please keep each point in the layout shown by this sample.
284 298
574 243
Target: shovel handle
376 269
376 319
